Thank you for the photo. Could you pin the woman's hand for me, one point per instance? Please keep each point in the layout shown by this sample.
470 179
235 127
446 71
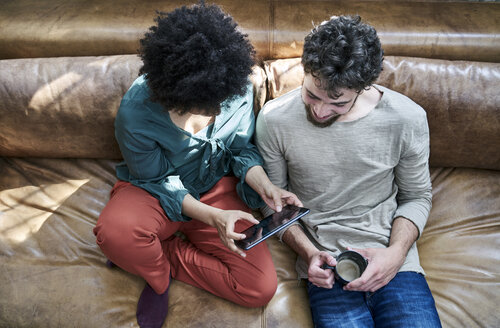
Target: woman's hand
276 197
224 222
272 195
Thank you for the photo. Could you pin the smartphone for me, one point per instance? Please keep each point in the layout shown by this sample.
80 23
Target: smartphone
270 225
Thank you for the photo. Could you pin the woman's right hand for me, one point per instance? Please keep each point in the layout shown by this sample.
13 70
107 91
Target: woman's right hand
224 221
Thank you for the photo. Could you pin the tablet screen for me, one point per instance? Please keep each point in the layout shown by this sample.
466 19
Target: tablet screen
270 225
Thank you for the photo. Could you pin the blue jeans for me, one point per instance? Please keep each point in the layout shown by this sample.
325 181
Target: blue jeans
406 301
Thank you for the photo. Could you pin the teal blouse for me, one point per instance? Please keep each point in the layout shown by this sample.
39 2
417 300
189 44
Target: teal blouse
169 162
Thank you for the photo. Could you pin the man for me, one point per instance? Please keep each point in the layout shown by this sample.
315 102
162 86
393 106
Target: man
356 154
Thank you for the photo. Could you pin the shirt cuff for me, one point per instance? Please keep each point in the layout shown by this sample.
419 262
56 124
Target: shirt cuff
413 213
172 197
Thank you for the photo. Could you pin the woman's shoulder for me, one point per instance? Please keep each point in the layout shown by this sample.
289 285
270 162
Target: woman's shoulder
136 109
234 103
138 89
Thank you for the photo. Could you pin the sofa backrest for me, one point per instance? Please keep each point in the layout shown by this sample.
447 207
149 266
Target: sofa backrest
65 106
455 30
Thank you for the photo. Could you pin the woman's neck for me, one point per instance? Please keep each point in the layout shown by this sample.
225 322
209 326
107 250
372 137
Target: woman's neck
192 123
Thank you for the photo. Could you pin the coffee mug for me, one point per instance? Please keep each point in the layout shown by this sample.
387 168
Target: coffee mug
350 266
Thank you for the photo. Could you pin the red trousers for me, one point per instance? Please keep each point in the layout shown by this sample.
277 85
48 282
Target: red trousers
135 234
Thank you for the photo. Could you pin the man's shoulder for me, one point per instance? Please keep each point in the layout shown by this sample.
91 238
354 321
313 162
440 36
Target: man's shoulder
281 114
402 106
283 104
403 114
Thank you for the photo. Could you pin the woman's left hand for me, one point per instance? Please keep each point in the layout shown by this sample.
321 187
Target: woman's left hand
272 195
276 197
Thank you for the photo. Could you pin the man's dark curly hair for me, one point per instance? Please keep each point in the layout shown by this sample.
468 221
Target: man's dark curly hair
195 58
343 53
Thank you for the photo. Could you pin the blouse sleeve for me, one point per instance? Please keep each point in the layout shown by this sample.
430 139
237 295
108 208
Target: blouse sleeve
146 165
245 153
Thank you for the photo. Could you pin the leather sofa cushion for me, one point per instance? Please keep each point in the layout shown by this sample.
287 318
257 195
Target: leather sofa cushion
459 246
55 270
52 267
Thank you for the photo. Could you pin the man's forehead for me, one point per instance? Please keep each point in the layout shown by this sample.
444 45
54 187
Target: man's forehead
319 84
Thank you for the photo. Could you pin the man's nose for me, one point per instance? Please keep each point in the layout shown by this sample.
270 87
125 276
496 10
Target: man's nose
322 108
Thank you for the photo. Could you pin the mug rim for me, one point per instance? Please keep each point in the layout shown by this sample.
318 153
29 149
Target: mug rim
359 259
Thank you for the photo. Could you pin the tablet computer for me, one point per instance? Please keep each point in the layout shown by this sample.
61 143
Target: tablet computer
270 225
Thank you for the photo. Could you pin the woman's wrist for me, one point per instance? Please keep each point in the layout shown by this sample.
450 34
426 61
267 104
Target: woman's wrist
257 179
199 211
213 216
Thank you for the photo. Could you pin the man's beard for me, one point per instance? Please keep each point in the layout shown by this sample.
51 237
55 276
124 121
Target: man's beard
310 118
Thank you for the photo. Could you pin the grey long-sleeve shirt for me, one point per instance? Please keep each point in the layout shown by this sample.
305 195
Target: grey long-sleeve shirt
356 177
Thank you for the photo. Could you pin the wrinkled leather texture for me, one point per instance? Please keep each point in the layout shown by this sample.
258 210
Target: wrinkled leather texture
54 275
457 30
65 106
58 152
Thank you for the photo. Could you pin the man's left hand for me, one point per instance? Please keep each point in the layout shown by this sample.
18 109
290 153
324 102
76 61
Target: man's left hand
383 265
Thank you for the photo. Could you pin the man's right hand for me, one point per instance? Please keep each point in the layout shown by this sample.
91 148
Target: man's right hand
317 275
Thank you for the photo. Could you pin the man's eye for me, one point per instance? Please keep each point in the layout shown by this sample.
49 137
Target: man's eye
312 96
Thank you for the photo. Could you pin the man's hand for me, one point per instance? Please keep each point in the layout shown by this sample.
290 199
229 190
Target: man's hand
225 221
316 274
383 265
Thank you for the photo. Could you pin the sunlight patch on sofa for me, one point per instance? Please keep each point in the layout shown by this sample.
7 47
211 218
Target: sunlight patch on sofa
24 210
54 90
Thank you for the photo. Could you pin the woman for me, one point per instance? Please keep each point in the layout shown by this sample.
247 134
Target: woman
184 128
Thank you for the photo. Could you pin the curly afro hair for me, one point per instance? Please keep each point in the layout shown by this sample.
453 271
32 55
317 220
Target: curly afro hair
195 58
343 53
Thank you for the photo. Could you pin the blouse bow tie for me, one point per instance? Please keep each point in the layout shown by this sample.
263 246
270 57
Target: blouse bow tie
215 154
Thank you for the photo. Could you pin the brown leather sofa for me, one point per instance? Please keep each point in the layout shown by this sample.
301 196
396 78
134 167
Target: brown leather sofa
64 66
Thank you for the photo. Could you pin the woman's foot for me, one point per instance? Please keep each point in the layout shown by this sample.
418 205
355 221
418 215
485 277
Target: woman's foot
152 308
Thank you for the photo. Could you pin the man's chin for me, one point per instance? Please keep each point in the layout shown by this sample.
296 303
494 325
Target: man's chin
321 124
